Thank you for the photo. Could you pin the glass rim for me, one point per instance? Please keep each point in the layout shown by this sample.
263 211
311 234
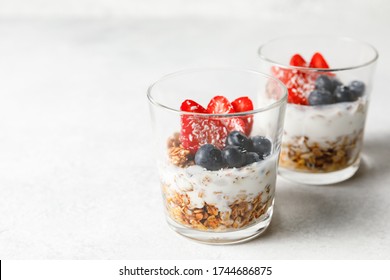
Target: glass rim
337 69
274 104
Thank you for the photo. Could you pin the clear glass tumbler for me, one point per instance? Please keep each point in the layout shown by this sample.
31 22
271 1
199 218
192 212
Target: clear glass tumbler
218 136
329 81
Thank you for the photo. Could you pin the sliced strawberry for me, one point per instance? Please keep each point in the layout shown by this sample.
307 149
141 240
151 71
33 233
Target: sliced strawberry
221 105
318 61
191 106
283 74
295 97
236 123
200 130
300 86
296 82
244 104
197 131
298 60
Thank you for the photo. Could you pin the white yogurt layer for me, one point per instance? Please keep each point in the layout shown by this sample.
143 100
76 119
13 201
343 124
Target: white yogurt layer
326 123
223 187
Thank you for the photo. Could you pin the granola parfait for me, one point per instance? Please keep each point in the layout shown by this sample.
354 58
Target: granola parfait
218 154
329 84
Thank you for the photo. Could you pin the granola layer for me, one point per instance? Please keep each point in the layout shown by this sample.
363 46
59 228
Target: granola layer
302 154
240 214
177 154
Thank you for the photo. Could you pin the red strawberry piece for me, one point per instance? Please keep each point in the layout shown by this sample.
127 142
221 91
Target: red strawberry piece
283 74
237 123
221 105
298 60
297 83
191 106
299 87
244 104
318 61
197 130
295 97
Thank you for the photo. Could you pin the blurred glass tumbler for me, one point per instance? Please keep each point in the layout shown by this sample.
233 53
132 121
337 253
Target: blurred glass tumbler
327 104
226 204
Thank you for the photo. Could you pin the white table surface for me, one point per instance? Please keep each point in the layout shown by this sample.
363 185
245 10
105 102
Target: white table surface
77 174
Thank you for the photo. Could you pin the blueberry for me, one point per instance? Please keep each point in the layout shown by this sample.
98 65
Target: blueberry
324 82
233 156
237 138
209 157
251 157
321 97
344 94
262 146
327 83
357 88
336 83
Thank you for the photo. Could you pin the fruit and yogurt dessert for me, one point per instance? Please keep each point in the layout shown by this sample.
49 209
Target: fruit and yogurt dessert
218 176
325 117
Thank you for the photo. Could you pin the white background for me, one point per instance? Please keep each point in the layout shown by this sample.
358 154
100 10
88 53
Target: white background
367 11
77 174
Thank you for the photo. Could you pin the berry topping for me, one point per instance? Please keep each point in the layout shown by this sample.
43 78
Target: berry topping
251 157
298 60
196 131
318 61
324 82
209 157
244 104
300 82
236 123
262 146
327 83
221 105
191 106
344 94
357 88
236 138
336 83
296 96
312 88
233 156
199 130
297 83
283 74
321 97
